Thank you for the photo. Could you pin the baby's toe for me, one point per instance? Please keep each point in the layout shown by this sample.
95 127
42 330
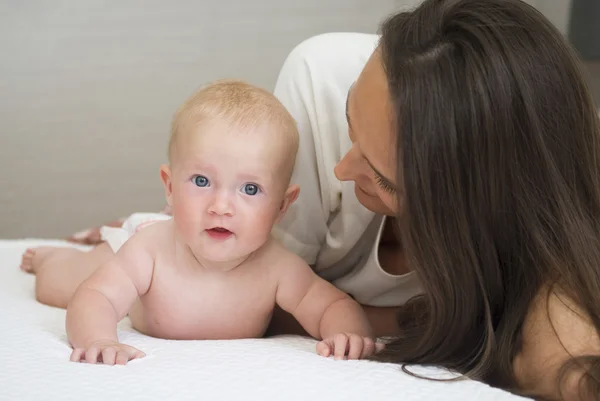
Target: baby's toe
27 261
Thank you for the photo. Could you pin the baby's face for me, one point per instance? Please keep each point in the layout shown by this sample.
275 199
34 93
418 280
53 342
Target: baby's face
228 188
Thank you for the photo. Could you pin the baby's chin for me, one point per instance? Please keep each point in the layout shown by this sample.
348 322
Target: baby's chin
220 259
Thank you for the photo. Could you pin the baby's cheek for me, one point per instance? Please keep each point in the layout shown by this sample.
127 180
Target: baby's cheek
187 214
262 221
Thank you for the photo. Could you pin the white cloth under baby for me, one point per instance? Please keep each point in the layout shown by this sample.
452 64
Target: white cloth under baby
117 236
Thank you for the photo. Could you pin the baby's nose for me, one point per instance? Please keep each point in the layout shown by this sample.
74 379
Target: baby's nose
221 206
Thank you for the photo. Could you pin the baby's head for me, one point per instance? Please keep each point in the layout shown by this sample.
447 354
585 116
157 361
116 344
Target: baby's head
248 112
231 155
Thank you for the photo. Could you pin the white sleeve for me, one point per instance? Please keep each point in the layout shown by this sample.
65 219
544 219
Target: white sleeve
313 85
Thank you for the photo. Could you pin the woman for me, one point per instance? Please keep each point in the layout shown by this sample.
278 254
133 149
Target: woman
468 152
453 189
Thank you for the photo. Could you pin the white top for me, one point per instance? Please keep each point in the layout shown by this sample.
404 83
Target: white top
327 226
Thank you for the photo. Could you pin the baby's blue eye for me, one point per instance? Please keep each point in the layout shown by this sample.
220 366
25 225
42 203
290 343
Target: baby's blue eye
200 181
250 189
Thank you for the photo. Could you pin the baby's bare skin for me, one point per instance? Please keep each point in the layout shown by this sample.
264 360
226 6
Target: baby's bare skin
213 271
186 301
169 294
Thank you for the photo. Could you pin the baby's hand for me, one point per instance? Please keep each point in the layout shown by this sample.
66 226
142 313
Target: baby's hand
107 352
352 346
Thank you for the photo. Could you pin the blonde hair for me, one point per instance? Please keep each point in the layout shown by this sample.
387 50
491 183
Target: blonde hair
241 104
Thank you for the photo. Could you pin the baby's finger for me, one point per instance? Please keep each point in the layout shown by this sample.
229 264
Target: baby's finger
91 355
109 355
368 347
137 354
122 358
76 355
379 346
134 353
323 348
355 347
340 346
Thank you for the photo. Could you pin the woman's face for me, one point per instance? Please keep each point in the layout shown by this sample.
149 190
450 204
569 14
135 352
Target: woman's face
371 162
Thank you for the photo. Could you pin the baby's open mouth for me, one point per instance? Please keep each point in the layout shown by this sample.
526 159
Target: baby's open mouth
219 233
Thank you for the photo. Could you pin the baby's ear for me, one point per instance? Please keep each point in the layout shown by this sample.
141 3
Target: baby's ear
291 194
165 176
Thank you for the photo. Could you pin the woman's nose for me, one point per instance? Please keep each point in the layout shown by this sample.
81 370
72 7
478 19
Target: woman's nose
347 168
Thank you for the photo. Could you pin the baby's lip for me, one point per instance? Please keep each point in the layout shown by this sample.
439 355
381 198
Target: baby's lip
220 229
219 233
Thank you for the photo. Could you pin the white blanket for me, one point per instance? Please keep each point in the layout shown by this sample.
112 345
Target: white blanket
34 362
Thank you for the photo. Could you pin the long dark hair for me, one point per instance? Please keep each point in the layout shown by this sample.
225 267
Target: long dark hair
498 151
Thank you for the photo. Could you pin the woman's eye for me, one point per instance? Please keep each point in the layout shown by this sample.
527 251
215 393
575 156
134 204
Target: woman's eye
200 181
250 189
384 185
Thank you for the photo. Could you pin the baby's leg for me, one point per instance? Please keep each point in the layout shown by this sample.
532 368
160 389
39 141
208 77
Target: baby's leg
59 271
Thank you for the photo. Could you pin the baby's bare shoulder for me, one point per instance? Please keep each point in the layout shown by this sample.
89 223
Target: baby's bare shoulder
283 260
157 237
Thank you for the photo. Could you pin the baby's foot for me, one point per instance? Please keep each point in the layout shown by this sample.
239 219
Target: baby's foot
34 258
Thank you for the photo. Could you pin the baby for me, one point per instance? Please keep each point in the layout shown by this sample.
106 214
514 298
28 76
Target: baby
213 271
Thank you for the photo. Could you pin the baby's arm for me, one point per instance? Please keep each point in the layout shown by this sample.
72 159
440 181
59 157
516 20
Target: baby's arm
101 301
324 311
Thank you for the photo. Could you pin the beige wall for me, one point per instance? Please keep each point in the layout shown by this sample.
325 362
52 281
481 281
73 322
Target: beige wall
87 90
557 11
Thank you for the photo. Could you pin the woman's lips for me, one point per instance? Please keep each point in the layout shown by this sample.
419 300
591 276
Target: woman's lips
365 192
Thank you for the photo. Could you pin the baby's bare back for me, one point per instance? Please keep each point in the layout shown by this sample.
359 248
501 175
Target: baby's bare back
188 302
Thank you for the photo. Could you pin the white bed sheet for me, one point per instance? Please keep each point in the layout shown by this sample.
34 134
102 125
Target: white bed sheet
34 362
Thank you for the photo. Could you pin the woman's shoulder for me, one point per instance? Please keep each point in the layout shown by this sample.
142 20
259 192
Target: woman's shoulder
330 50
555 330
337 40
